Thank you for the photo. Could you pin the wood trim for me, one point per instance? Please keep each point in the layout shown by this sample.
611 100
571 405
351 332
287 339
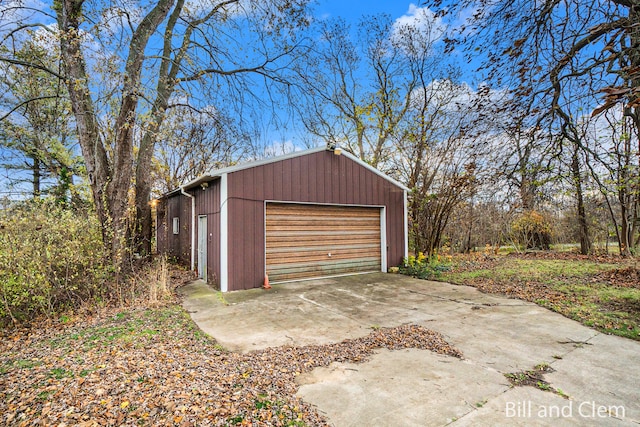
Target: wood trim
383 240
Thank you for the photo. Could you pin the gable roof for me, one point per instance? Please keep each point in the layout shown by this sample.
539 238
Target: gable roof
217 173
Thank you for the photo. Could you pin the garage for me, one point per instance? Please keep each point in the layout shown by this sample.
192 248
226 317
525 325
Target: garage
307 214
307 240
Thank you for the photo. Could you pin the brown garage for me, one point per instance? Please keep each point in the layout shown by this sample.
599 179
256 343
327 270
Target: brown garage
304 215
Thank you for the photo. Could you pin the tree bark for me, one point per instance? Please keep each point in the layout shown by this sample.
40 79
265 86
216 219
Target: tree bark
69 16
110 180
36 176
583 226
166 84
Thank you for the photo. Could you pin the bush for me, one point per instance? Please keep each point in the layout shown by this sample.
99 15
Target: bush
51 259
422 267
532 230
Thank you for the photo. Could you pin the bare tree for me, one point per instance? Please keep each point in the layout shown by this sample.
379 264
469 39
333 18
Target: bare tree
613 163
193 142
37 136
388 98
557 56
360 91
571 138
192 44
436 156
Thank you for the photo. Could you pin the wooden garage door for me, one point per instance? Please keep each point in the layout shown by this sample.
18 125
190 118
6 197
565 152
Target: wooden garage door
304 241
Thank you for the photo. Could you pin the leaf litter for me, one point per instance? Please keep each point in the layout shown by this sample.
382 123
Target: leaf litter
154 367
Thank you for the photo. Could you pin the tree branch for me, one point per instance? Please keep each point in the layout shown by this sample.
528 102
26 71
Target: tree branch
31 65
594 34
39 98
260 69
23 27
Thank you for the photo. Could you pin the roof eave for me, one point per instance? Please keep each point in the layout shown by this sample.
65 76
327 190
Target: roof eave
217 173
198 181
374 170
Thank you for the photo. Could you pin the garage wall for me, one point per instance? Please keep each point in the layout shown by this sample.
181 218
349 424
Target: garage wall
208 203
174 245
319 177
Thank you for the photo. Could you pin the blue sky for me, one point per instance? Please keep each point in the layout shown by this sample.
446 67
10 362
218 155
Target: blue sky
352 10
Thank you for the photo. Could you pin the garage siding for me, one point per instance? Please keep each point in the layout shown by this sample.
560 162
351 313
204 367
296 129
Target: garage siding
305 241
178 245
208 203
320 178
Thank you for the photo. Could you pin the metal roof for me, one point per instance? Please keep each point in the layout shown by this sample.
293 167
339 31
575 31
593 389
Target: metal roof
217 173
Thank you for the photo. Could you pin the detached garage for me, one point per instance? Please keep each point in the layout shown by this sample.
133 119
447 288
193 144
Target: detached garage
308 214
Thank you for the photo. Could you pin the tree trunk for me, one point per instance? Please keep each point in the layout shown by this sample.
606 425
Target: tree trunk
110 181
527 191
583 227
626 197
467 247
633 111
36 177
143 226
69 16
624 242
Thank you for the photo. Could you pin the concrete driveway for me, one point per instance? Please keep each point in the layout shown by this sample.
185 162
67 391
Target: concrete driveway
497 335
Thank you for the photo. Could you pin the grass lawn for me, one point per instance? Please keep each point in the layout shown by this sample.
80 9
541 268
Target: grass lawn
601 292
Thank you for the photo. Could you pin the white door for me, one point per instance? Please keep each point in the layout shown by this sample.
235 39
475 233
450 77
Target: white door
202 247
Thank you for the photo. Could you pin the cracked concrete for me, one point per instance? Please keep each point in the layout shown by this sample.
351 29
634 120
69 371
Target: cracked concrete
599 373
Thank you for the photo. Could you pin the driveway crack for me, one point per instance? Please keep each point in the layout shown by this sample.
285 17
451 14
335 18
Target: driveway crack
310 301
475 304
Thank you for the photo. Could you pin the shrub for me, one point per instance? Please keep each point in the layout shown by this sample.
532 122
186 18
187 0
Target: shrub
422 267
51 258
532 230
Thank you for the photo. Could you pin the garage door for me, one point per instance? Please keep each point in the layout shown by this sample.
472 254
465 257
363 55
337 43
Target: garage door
304 241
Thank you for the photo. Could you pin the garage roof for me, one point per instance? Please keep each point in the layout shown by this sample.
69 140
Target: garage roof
217 173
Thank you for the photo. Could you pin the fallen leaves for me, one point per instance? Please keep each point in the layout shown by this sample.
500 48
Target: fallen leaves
528 291
115 371
628 277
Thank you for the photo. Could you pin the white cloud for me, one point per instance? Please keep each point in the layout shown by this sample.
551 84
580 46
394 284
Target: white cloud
16 11
279 148
417 30
421 18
